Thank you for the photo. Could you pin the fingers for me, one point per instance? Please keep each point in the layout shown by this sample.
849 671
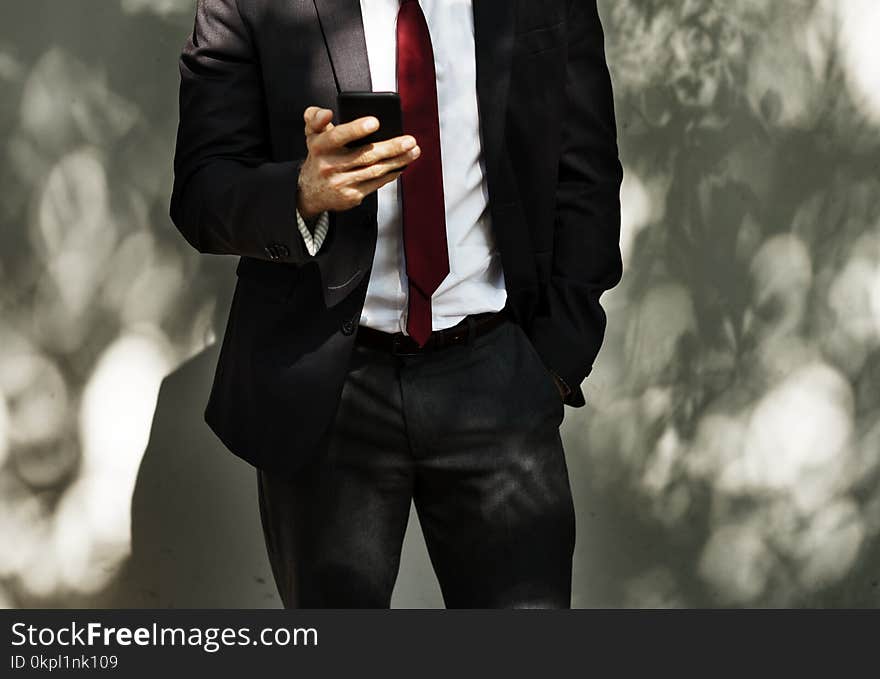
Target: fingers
383 167
368 187
336 138
351 196
317 119
378 152
370 179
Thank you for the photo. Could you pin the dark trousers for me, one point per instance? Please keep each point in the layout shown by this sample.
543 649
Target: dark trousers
470 434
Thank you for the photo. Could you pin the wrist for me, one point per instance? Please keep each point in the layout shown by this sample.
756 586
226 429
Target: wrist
309 217
306 211
311 221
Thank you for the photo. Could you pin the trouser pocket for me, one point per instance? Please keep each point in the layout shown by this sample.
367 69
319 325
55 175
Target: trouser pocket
543 380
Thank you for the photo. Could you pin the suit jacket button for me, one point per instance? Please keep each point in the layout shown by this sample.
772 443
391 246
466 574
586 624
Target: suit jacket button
277 251
347 328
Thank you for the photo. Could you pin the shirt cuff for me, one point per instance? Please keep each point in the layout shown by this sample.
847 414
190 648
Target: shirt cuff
313 238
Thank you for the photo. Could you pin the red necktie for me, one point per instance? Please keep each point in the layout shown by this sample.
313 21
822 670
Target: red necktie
424 215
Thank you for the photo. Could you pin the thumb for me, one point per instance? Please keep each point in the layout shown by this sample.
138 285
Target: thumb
319 120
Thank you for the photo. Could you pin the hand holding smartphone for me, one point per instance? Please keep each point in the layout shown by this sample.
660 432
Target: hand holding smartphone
348 161
384 106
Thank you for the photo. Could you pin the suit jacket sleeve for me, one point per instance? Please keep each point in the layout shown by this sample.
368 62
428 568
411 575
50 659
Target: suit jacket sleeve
229 196
586 252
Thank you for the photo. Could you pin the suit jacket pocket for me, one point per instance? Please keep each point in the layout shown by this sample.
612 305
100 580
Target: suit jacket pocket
538 40
270 280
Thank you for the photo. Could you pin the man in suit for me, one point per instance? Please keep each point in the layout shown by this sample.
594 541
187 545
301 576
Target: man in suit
410 316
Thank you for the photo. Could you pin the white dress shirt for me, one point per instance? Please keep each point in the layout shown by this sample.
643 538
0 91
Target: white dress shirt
476 281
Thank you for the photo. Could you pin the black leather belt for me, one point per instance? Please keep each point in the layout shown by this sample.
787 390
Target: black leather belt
399 344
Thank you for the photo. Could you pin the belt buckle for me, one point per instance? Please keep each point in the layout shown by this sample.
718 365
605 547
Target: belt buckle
396 340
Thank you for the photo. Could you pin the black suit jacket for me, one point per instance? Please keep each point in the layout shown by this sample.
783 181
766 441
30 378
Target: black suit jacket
250 69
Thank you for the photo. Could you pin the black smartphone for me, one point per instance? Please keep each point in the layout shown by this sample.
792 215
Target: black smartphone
384 106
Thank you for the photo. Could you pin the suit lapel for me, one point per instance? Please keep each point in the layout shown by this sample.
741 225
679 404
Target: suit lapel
343 29
493 35
494 32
